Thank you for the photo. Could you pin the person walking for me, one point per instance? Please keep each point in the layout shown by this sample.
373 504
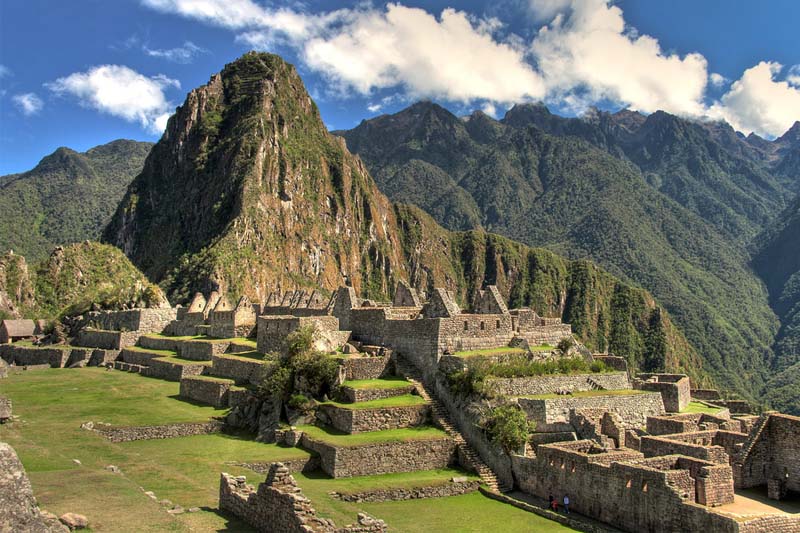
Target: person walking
566 504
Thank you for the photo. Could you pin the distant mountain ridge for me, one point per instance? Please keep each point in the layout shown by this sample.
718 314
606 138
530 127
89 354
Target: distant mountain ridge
668 203
68 197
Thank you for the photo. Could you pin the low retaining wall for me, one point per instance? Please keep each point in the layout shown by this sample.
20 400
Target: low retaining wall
414 493
171 371
159 343
351 395
102 357
107 339
529 386
359 420
306 464
137 357
201 350
382 458
167 431
211 391
240 369
34 356
356 367
554 414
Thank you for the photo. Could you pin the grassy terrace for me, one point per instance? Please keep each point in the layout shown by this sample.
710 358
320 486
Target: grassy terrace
585 394
376 384
165 353
53 403
249 356
181 361
490 351
175 338
404 400
212 379
700 407
338 438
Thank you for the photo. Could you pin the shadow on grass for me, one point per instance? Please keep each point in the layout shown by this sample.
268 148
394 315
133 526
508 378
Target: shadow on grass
232 523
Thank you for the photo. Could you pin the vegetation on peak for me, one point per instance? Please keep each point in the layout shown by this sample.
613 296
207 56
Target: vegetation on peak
69 197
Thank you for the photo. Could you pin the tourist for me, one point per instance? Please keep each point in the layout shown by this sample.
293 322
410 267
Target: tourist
566 504
550 501
554 505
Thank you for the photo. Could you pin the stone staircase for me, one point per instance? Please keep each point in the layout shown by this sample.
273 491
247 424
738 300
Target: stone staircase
594 385
441 417
754 435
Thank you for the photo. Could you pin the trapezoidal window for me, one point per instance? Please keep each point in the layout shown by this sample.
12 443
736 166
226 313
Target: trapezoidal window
483 325
466 326
497 325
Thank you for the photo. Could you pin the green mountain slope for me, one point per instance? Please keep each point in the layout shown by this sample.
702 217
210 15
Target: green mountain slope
248 192
69 197
654 214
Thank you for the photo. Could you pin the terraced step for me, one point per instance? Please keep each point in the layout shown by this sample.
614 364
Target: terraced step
206 389
375 415
174 368
128 367
242 367
242 345
142 356
374 389
164 342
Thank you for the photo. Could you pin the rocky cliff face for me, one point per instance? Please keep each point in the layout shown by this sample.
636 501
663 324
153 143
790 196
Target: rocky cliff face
16 288
248 192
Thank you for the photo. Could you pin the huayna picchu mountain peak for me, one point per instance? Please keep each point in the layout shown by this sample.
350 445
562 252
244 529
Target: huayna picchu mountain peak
248 193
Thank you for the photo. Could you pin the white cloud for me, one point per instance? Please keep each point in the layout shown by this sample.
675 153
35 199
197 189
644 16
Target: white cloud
759 103
793 77
28 103
590 56
717 80
584 55
119 91
490 109
546 10
181 54
4 71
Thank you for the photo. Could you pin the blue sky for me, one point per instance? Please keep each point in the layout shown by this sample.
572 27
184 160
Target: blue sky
85 72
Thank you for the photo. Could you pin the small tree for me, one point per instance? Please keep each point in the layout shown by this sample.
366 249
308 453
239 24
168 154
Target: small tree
508 427
566 344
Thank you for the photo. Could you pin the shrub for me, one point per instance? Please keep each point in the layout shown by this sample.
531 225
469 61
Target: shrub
300 402
598 366
566 344
276 382
508 427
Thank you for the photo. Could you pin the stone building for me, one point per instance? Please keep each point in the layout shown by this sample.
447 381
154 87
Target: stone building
16 330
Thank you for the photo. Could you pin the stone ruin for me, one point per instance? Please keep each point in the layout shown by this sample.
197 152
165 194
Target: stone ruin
279 505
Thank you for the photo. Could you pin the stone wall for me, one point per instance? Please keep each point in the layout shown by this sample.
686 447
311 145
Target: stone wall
554 414
382 458
5 409
529 386
280 506
548 334
772 453
171 370
634 494
18 509
675 389
242 370
366 367
159 343
106 339
613 362
712 445
273 329
201 350
141 320
414 493
705 394
167 431
359 420
690 422
34 356
208 390
3 368
138 357
351 395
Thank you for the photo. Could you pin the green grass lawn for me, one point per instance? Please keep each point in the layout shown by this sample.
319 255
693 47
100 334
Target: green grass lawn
53 403
165 353
352 485
250 356
462 514
490 351
404 400
338 438
372 384
542 348
175 338
585 394
700 407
